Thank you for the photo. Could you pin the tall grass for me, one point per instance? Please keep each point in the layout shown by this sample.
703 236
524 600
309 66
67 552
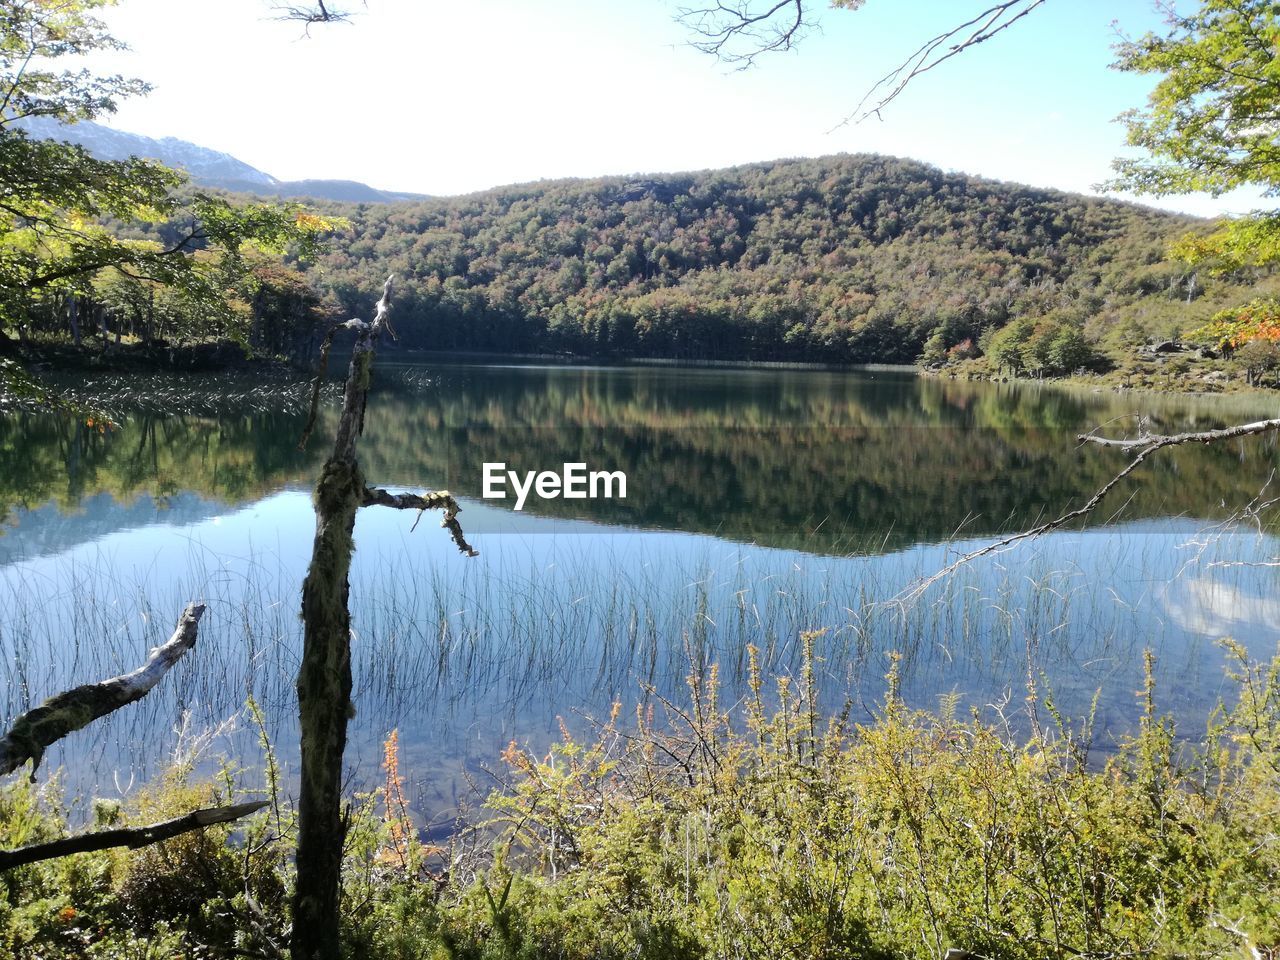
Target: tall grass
463 657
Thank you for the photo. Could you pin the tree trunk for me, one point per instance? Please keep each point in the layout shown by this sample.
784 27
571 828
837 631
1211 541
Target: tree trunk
73 316
324 676
324 704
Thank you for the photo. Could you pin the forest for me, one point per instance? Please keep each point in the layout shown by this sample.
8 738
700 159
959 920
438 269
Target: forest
847 259
853 258
840 259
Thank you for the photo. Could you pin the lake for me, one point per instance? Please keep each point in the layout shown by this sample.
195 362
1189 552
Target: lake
760 503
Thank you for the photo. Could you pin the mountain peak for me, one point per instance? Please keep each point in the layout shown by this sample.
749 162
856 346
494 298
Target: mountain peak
206 167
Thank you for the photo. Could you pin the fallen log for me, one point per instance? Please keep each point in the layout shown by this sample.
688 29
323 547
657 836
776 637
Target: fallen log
132 837
39 728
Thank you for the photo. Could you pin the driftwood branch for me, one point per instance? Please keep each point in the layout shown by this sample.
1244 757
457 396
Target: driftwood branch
1156 441
436 500
132 837
68 712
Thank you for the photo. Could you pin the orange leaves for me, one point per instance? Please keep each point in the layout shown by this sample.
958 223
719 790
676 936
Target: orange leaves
1256 320
396 808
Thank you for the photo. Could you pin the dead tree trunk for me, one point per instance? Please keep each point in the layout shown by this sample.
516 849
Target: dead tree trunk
131 837
324 676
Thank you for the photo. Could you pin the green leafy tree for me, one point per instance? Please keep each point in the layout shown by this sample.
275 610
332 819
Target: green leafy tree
1069 350
1007 347
1211 121
57 202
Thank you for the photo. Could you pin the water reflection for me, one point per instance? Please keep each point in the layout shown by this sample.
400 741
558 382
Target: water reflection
765 503
817 461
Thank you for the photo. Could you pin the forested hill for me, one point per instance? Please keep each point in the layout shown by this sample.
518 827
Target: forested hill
845 258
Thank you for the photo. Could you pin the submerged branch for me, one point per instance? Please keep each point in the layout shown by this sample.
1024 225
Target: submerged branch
132 837
68 712
436 500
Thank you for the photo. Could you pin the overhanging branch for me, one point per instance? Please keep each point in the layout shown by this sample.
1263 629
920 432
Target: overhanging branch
1156 441
739 31
936 51
1147 446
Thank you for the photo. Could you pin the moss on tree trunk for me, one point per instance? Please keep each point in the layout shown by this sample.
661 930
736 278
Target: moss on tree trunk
324 705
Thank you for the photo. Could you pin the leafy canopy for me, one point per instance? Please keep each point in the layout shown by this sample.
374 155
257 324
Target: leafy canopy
56 199
1212 120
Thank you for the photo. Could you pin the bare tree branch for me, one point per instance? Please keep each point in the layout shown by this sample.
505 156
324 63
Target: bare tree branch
1204 436
1149 444
740 31
999 545
132 837
436 500
737 32
938 50
311 14
68 712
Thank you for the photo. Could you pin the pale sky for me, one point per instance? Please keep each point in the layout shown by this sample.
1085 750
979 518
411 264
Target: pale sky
446 98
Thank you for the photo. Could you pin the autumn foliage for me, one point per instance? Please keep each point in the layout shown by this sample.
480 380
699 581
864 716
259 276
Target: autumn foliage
1257 320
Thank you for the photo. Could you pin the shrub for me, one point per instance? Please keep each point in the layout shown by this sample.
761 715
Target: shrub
1257 359
769 828
746 833
1259 319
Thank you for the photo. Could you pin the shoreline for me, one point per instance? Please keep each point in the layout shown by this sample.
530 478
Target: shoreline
44 359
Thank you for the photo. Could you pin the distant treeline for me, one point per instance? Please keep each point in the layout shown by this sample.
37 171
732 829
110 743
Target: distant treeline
845 258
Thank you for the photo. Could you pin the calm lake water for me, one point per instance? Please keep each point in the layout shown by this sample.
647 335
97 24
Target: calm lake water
760 503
